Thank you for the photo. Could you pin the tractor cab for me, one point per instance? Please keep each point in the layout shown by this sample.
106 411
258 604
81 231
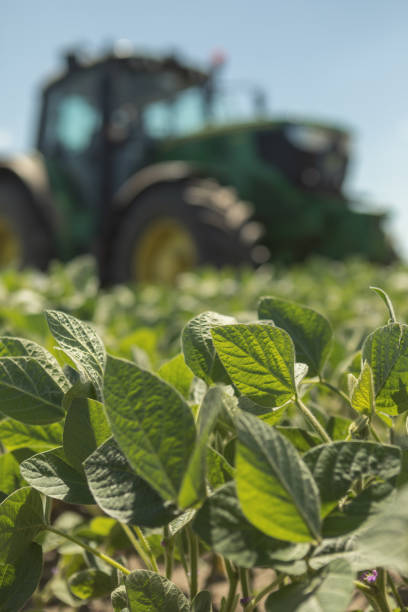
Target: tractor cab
98 125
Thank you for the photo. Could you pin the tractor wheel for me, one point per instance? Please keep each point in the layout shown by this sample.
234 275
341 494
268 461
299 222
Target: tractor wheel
174 227
23 236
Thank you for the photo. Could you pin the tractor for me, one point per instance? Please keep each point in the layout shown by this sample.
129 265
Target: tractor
137 162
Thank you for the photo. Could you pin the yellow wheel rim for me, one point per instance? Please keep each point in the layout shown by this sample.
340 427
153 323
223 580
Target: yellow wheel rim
165 250
10 244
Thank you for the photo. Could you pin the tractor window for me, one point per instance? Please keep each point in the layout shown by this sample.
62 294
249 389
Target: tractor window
180 115
77 123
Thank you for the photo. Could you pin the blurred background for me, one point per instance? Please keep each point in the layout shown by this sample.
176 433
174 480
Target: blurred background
341 62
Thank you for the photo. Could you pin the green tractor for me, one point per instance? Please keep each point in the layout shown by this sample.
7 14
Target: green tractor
137 164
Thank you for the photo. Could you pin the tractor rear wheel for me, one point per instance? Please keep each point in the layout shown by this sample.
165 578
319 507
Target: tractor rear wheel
174 227
23 236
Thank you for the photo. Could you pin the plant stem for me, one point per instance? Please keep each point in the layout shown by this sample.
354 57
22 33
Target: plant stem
243 577
312 420
136 545
339 392
375 595
168 552
193 555
396 594
90 549
47 509
146 547
265 591
180 545
233 577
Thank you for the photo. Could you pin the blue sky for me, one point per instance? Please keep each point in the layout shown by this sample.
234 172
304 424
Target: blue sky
343 61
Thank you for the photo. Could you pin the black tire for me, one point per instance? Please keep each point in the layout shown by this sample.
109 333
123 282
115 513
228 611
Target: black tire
213 219
24 238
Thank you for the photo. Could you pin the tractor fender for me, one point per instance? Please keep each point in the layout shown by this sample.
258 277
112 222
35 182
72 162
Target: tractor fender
30 173
163 172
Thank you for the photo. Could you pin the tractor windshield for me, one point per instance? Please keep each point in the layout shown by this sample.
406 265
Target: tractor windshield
193 110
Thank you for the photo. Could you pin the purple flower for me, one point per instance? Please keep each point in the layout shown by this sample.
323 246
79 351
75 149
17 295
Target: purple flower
370 576
244 601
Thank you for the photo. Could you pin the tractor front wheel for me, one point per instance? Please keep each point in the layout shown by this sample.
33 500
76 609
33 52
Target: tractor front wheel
23 236
174 227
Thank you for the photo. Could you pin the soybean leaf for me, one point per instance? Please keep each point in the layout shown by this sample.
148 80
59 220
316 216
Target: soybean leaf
275 487
177 374
10 477
152 424
385 298
260 360
89 583
301 439
32 389
386 351
120 492
383 541
202 602
221 524
14 435
193 487
363 395
344 547
86 428
198 347
330 590
337 466
21 519
181 521
355 512
51 474
81 343
310 331
150 592
19 579
219 471
119 599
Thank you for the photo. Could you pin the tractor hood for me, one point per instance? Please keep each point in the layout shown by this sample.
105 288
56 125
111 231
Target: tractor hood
310 155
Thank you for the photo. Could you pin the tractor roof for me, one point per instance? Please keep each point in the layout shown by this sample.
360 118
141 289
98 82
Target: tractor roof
135 63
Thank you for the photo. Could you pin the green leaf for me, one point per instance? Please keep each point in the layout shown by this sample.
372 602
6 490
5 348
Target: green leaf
21 519
219 471
10 477
86 428
198 347
119 599
90 583
31 387
81 343
221 524
385 298
177 374
344 547
152 424
120 492
331 590
301 439
193 487
150 592
260 359
335 467
18 580
363 395
386 351
275 487
14 435
383 542
51 474
202 602
310 331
